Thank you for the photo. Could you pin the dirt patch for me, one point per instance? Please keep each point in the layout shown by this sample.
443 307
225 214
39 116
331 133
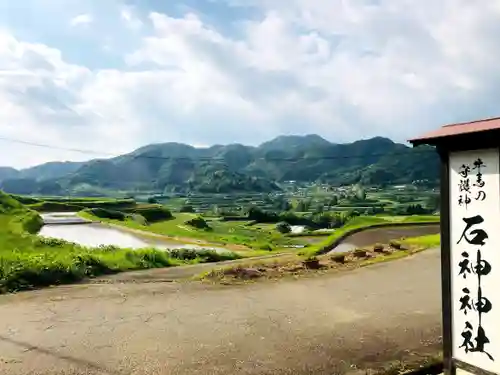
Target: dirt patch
295 266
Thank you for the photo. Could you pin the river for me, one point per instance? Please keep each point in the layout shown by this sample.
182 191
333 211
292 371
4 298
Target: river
96 234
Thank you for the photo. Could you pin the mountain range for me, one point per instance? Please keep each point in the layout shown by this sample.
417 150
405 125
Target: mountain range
228 168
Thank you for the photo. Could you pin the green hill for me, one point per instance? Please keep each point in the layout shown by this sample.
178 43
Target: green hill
233 168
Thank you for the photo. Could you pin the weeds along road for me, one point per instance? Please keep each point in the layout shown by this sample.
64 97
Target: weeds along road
319 325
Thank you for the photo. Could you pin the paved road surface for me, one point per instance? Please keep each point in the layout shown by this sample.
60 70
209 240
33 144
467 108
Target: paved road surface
310 326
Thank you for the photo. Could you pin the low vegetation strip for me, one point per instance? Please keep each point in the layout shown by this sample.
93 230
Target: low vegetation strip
28 261
293 265
361 223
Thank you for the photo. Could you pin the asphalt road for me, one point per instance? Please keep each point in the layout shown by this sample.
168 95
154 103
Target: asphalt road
321 325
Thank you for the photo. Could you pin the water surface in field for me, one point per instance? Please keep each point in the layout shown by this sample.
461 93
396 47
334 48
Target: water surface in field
383 235
95 234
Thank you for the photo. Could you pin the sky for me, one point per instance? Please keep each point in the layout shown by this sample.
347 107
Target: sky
113 75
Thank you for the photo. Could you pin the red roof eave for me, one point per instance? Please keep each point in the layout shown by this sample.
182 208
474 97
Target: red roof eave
457 129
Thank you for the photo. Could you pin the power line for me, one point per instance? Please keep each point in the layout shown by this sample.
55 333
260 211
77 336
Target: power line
208 158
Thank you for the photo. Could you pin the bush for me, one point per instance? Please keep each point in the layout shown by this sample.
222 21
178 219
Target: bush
154 214
107 214
283 227
198 222
205 256
50 242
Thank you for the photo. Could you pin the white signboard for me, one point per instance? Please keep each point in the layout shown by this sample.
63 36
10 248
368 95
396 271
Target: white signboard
475 257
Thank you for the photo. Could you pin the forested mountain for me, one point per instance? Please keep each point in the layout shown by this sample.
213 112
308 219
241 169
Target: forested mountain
235 167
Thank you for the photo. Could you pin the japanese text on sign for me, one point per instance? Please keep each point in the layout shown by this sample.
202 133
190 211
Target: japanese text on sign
474 213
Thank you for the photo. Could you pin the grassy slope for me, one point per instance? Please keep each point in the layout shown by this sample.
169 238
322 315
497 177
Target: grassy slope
431 240
28 261
223 232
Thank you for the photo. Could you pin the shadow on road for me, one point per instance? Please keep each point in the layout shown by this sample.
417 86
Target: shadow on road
80 362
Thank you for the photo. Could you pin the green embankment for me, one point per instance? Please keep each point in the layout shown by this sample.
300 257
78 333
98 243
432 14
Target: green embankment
232 233
75 204
430 240
368 222
28 261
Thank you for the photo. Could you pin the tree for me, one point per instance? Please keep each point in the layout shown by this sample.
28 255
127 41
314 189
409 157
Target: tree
283 227
198 222
152 200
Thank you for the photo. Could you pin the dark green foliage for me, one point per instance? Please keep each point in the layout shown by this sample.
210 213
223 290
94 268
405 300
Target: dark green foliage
198 222
30 222
24 199
434 203
112 204
412 209
8 204
206 256
330 220
283 227
107 214
153 213
55 207
260 216
417 209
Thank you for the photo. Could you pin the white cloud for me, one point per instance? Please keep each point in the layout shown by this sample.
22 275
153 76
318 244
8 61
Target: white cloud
81 19
342 69
131 21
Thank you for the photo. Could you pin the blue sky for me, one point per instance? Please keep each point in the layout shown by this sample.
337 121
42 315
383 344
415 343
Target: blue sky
114 75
